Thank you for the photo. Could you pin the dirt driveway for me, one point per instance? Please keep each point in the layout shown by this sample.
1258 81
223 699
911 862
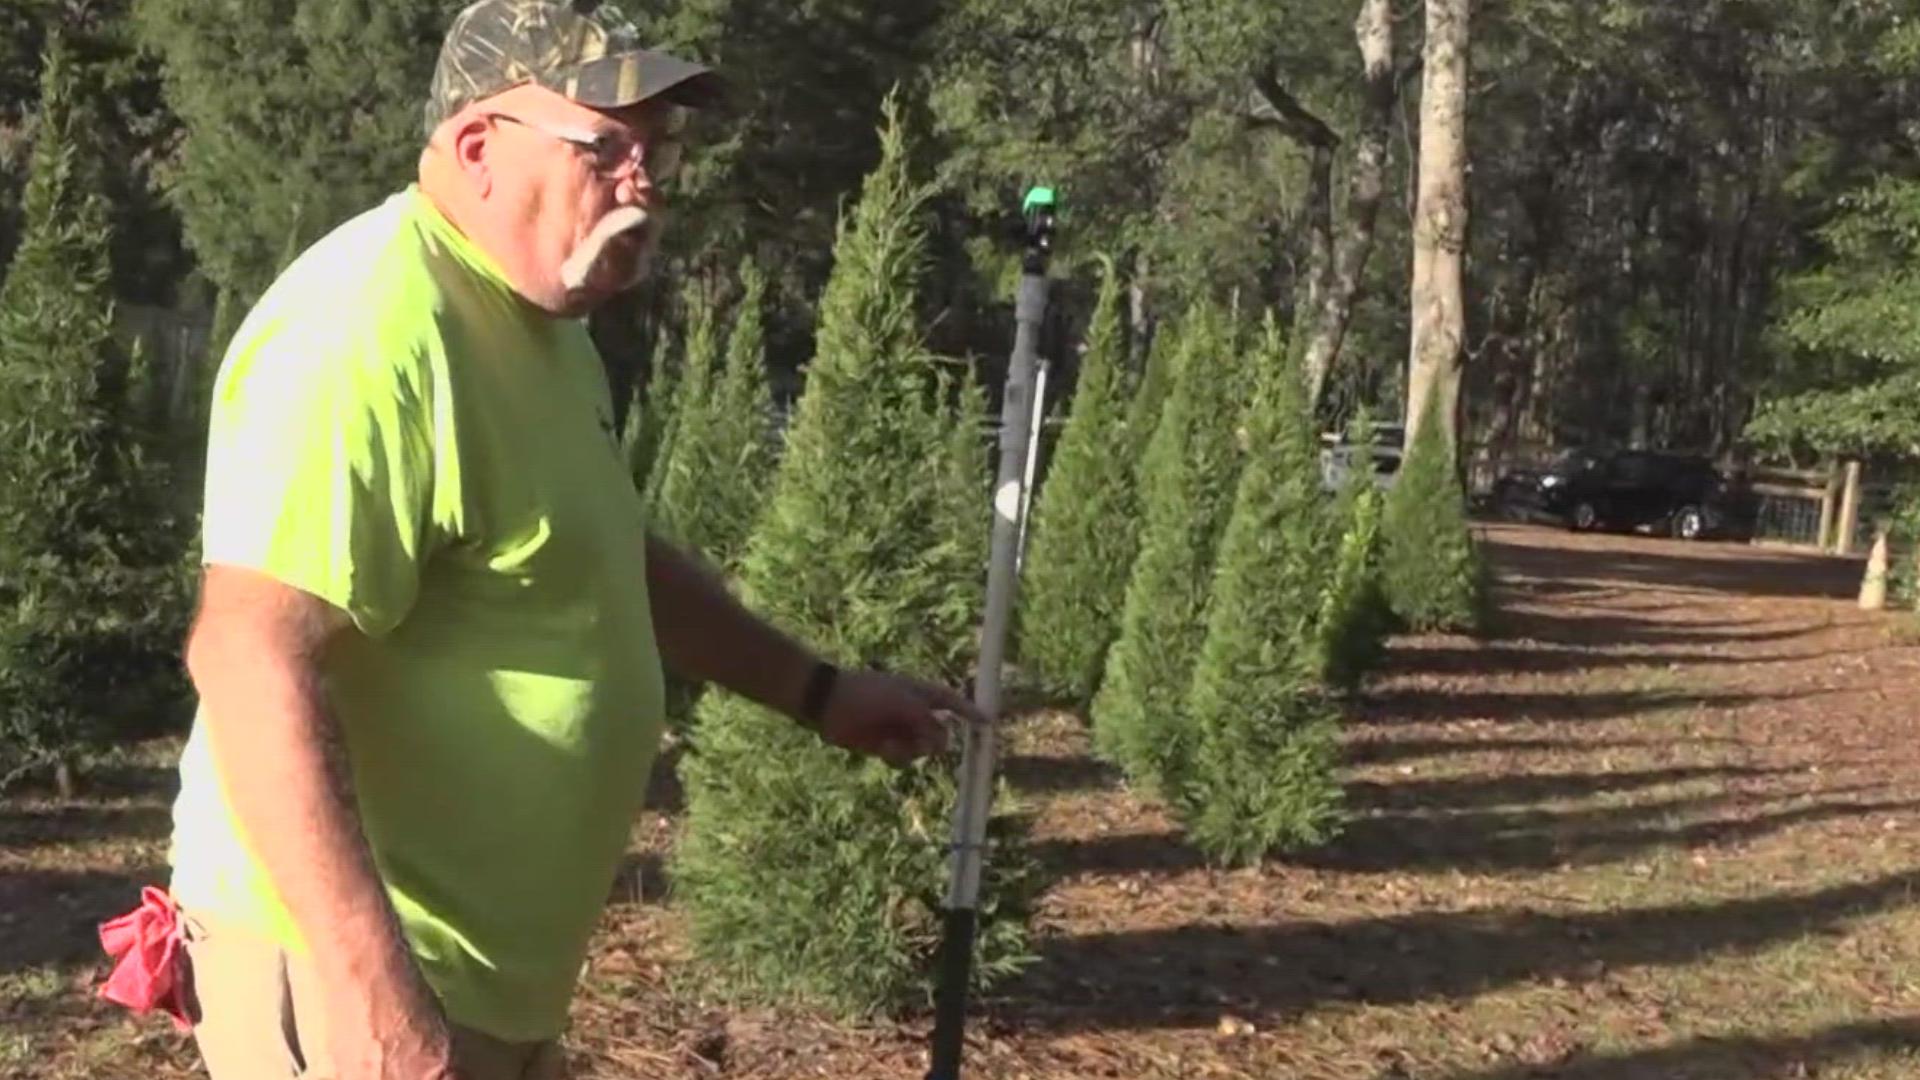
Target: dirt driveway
1659 824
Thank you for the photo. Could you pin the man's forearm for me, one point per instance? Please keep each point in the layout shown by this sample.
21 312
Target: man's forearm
284 768
707 636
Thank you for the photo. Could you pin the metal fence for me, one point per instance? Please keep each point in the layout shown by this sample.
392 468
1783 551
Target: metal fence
1785 517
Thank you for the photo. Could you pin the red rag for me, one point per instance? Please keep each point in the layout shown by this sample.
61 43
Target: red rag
146 944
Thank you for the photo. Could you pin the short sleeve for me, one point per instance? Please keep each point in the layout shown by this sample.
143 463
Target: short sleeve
320 468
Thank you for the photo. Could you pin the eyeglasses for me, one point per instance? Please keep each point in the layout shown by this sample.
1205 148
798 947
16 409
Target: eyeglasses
615 156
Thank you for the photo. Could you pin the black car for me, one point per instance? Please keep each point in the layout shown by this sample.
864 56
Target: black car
1679 494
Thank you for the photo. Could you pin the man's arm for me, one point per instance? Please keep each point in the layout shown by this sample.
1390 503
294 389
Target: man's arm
706 635
254 656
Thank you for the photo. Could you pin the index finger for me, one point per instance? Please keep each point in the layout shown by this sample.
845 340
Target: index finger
946 699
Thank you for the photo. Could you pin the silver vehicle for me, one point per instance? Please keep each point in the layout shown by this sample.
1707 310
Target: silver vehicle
1339 457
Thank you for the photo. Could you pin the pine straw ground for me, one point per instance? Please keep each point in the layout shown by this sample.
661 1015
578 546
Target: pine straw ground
1659 825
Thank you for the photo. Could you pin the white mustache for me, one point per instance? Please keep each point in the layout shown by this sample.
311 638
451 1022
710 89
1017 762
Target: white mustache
579 264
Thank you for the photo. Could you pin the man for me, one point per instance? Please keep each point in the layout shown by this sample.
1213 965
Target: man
429 643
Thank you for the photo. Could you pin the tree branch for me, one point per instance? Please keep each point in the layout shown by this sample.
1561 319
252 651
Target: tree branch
1276 107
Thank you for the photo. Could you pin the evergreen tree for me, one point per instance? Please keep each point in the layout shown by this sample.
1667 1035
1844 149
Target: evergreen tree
723 455
674 487
328 124
1262 775
1083 541
1355 617
808 875
90 599
645 432
1431 569
1187 481
1149 398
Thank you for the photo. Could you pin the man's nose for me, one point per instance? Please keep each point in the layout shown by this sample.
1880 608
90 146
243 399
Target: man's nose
636 189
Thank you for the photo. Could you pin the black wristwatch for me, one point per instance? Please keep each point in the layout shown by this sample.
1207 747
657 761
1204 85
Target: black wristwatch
813 702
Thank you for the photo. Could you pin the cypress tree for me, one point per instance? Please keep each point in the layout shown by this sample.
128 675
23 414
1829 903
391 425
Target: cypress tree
722 455
1355 617
809 875
645 432
1262 776
1187 478
1084 540
666 499
1149 397
91 603
1431 569
328 124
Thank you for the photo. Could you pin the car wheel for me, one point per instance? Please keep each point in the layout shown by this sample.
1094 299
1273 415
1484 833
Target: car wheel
1689 523
1506 503
1585 517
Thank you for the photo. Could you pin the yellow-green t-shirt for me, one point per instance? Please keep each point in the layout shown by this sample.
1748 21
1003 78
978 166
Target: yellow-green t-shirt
395 431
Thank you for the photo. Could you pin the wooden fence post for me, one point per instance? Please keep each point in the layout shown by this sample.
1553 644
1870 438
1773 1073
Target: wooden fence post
1829 509
1873 587
1849 511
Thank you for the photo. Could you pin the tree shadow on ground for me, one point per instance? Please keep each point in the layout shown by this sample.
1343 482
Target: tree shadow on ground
1390 750
1439 704
1523 789
1722 568
26 828
53 916
1185 976
1483 841
1561 627
1552 660
1723 1057
1540 840
1052 774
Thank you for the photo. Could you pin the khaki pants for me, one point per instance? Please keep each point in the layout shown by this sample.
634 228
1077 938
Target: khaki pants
258 1016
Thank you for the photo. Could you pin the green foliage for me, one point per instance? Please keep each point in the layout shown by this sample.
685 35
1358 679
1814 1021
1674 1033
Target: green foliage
651 414
1355 617
1150 395
743 440
1084 539
128 123
1187 483
676 486
766 177
809 876
1262 776
1099 130
718 455
1855 311
297 113
91 598
1431 568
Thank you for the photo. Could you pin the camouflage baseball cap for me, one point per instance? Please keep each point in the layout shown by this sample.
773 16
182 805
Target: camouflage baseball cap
496 45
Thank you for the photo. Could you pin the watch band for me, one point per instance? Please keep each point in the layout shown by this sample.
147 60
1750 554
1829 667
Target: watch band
813 702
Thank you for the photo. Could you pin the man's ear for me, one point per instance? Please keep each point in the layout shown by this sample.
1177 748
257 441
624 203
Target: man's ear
469 138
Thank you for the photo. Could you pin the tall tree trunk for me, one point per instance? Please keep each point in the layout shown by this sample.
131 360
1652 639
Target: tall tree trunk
1330 286
1440 220
1276 107
1140 323
1373 31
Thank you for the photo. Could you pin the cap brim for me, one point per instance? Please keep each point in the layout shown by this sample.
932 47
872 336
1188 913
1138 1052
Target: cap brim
615 82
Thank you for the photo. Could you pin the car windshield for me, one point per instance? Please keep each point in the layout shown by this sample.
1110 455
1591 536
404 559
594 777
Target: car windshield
1573 461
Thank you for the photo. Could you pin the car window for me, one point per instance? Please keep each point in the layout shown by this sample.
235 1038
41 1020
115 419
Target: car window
1574 462
1632 469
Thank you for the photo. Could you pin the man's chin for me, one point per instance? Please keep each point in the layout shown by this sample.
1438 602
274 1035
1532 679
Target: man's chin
604 282
622 265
